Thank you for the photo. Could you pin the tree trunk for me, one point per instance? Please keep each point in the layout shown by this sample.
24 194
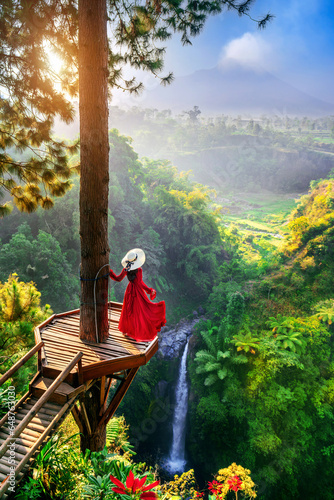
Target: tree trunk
95 441
94 182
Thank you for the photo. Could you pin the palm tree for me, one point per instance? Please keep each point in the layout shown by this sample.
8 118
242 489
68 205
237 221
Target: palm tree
246 342
211 360
325 311
215 362
293 341
285 332
281 324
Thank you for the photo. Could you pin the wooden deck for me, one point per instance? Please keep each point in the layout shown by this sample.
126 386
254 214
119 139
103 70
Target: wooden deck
60 334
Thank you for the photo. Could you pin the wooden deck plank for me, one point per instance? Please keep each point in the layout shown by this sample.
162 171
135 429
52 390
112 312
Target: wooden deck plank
57 344
92 349
41 417
57 360
112 347
58 354
61 358
114 332
55 357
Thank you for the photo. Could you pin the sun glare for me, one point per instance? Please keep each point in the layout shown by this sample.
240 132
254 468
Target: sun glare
55 61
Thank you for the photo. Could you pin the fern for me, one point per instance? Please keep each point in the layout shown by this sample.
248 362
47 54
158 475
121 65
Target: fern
222 373
223 355
210 379
212 366
117 438
113 429
202 356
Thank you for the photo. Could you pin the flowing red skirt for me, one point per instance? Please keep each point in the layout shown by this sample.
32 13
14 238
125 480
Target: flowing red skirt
140 318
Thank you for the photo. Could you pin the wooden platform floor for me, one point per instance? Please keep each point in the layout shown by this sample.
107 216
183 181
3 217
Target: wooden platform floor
60 334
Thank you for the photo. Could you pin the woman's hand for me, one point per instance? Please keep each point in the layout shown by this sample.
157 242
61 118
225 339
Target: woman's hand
153 294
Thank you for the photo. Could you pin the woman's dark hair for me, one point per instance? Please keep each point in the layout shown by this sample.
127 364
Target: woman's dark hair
131 274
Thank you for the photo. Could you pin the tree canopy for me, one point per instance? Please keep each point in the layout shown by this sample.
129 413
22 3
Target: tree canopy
32 95
34 165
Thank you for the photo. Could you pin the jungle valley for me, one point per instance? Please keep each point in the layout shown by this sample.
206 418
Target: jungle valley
236 217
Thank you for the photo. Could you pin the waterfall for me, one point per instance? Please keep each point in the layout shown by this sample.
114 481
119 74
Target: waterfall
176 461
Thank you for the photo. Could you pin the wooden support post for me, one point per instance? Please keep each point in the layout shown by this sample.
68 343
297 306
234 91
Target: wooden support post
85 417
119 395
80 374
104 404
76 416
103 389
39 360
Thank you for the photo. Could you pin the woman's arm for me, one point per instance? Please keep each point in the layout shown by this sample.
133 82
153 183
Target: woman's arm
116 277
150 291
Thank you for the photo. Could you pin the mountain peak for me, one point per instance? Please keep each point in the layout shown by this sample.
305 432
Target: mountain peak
235 90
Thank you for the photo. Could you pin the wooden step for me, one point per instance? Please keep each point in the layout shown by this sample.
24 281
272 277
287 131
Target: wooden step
63 393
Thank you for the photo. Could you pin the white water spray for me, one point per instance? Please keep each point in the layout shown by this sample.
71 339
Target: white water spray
176 461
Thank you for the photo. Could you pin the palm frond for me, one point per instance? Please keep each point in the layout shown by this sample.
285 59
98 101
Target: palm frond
210 379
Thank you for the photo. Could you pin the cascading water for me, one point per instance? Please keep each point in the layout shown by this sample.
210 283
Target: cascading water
176 461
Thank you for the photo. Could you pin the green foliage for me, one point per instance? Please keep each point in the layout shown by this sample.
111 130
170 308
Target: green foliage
98 488
61 471
235 311
98 484
212 361
20 312
117 437
55 474
325 311
41 260
171 218
276 411
31 490
245 341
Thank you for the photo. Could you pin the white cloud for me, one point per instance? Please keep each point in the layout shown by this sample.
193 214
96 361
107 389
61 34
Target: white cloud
250 51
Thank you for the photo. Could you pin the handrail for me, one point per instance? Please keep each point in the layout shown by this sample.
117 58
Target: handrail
20 362
30 415
5 484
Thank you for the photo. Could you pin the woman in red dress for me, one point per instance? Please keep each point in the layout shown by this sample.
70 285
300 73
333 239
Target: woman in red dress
140 319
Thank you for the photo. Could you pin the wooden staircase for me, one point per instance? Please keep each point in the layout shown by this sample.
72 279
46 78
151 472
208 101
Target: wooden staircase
33 420
67 368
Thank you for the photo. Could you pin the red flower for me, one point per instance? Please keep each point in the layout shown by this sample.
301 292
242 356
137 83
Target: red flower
234 483
135 485
215 487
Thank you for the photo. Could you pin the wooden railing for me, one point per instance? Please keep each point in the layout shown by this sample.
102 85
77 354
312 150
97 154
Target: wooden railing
5 484
31 414
21 362
37 406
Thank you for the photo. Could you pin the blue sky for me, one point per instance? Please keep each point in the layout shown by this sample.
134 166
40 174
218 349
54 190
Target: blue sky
297 46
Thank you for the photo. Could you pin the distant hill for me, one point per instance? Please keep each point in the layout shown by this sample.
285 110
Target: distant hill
234 91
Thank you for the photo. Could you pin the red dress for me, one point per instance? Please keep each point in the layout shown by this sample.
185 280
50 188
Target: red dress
140 318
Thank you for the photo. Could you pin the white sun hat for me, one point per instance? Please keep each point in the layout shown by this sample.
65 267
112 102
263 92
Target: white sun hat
134 259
